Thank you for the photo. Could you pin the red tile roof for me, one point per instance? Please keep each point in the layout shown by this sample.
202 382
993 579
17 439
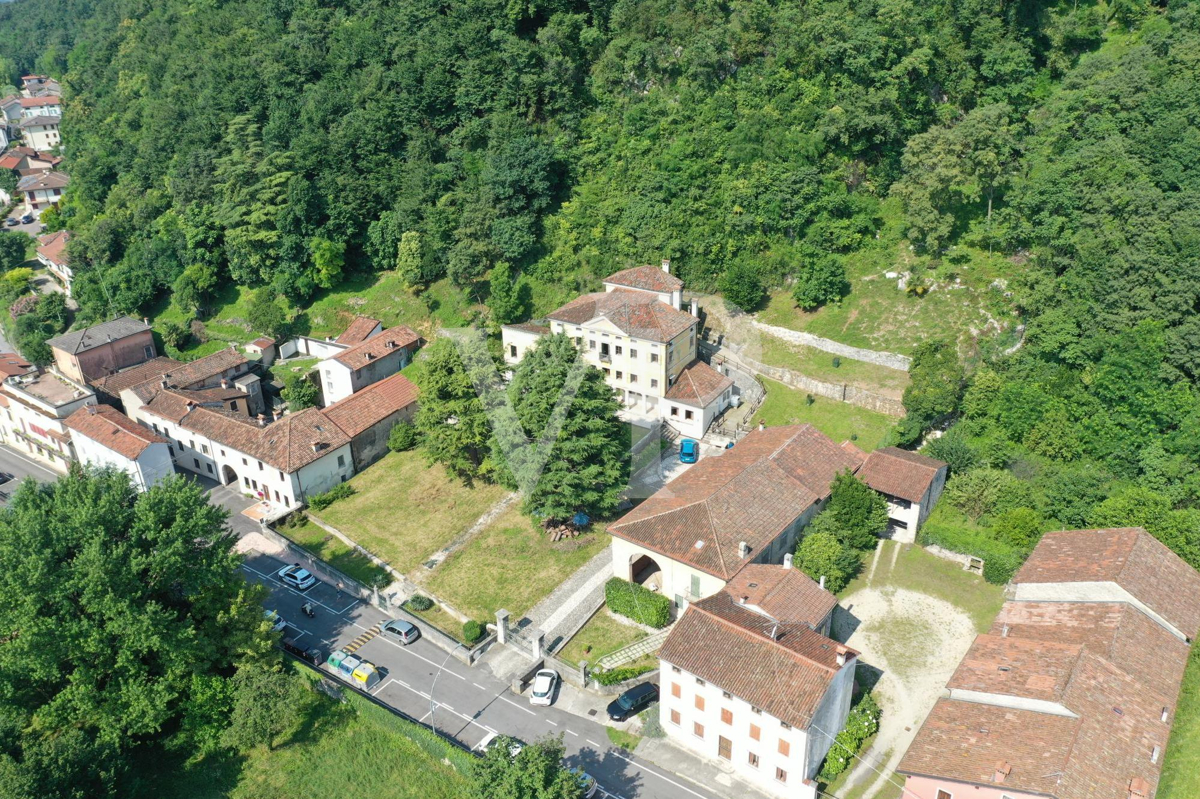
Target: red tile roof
190 375
152 369
634 313
1129 557
53 246
784 594
262 342
374 348
370 406
750 493
12 364
647 278
900 473
359 329
732 648
35 102
529 327
698 385
112 429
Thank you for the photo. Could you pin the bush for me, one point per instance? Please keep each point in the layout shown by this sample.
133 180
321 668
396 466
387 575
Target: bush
472 631
954 450
323 501
404 436
741 286
419 602
176 335
1000 560
635 602
614 676
862 723
984 492
821 554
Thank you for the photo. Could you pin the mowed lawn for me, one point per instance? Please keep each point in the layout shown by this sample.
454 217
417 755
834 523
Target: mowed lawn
1181 768
601 635
330 549
838 420
819 365
405 510
512 565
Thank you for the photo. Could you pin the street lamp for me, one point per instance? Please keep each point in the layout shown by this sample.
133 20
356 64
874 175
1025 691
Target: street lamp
432 688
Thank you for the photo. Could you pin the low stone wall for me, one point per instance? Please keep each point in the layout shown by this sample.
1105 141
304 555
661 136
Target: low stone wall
889 359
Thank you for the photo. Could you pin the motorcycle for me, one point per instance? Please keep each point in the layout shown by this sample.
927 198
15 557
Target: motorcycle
308 610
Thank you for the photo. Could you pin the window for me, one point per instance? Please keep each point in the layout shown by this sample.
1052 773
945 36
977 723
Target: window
197 462
222 453
653 383
675 717
607 371
209 467
204 448
676 691
281 475
676 670
246 481
260 466
944 794
689 415
780 774
695 585
618 349
699 702
233 405
254 484
724 748
329 385
727 695
755 732
244 462
591 344
699 681
149 352
785 725
618 374
578 341
632 353
276 496
697 729
192 443
171 450
341 461
785 748
512 350
726 715
674 411
633 378
152 424
753 760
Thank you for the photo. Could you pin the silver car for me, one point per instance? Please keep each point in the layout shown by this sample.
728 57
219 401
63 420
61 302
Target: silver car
403 631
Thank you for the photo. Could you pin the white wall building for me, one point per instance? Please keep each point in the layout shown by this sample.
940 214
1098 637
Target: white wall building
42 190
35 409
104 437
369 361
910 483
41 132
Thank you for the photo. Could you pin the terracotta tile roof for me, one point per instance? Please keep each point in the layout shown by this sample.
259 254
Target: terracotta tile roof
263 342
11 160
193 373
1129 557
152 369
900 473
529 327
1015 667
731 647
634 313
12 364
364 352
112 429
786 595
37 102
89 338
698 385
647 278
53 246
749 493
358 330
366 408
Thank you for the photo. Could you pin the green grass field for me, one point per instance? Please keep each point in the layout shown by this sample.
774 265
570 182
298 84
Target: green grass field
510 565
838 420
818 364
330 549
1181 768
405 510
602 634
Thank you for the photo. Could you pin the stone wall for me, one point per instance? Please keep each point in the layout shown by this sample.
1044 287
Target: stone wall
889 359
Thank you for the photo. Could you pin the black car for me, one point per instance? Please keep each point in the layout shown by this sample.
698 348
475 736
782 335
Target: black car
310 655
633 701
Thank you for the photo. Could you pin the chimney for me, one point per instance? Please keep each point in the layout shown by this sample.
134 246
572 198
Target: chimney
370 356
146 321
841 656
761 426
262 420
274 414
666 265
163 382
91 410
224 383
316 447
743 600
391 345
1004 631
743 550
695 308
1139 789
1002 770
822 581
774 634
787 560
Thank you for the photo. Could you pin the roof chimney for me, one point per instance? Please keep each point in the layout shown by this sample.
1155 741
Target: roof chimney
841 656
787 560
163 382
1004 631
666 265
743 600
743 550
695 308
1139 788
822 581
262 420
91 410
1002 769
224 383
761 426
391 345
316 447
274 414
146 321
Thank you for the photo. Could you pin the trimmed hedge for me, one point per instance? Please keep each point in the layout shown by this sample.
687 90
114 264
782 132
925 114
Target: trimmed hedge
635 602
620 674
862 723
1000 560
322 501
472 631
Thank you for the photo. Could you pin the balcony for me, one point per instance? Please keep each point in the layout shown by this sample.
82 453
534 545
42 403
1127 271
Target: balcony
605 357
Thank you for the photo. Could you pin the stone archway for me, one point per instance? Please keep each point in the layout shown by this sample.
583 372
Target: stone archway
228 475
644 570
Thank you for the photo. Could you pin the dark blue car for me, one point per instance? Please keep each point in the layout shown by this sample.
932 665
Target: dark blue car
689 450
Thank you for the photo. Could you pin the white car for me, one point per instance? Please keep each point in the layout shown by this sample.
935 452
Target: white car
296 577
277 622
544 683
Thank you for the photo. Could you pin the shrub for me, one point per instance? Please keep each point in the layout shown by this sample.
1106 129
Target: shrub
1020 528
404 436
472 631
419 602
954 450
821 554
821 280
176 335
323 501
741 286
988 491
651 725
1000 560
862 723
635 602
614 676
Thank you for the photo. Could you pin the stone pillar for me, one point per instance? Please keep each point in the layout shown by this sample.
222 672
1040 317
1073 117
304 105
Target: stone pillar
502 626
539 644
583 673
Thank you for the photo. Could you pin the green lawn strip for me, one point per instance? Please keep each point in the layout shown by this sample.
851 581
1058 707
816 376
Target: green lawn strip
625 740
509 565
917 570
442 620
818 364
838 420
333 551
383 296
601 635
1181 768
405 510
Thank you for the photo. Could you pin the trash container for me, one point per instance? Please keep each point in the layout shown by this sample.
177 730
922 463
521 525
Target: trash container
366 676
335 659
348 665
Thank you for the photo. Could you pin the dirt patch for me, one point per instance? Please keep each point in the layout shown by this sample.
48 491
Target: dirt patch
915 642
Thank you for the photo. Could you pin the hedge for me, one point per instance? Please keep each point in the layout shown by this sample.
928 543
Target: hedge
323 501
635 602
1000 560
472 631
620 674
862 723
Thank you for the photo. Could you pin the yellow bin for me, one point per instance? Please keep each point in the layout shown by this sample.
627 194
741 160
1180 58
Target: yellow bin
365 676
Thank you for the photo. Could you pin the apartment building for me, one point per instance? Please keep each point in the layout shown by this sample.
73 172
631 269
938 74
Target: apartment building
35 408
103 437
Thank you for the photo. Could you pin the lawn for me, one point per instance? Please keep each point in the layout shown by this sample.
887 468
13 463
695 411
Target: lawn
838 420
405 510
626 740
818 364
1181 768
601 635
353 746
509 565
330 549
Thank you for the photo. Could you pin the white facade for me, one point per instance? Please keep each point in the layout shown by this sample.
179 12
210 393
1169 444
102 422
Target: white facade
152 465
339 381
305 347
517 342
32 422
905 517
42 137
693 420
777 758
39 199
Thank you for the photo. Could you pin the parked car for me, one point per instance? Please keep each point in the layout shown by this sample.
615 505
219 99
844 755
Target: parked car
492 740
689 450
297 577
25 220
11 221
310 654
544 683
633 701
586 781
401 630
277 622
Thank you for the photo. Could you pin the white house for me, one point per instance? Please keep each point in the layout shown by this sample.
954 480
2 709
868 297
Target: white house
41 132
104 437
758 690
910 483
46 105
52 254
35 409
42 190
368 361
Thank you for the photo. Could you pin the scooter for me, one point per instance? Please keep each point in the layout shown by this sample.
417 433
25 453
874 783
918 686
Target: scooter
308 610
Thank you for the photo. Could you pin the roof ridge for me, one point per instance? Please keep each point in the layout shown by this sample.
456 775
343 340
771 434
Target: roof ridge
716 539
800 626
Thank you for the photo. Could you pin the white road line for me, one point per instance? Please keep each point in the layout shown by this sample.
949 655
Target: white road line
380 687
644 770
29 461
407 651
551 723
437 704
271 578
589 740
514 704
480 687
569 732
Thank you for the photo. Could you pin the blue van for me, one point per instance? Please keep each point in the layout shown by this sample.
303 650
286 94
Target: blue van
689 450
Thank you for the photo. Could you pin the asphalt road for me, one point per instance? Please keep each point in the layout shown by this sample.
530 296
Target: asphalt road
468 703
19 467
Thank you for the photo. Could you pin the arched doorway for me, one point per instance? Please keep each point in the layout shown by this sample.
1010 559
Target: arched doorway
228 475
643 570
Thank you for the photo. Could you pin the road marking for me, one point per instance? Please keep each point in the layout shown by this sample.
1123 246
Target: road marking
413 654
645 770
480 687
569 732
30 461
358 642
271 578
551 723
380 687
437 704
589 740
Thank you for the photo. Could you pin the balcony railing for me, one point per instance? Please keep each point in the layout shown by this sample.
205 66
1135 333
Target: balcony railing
605 357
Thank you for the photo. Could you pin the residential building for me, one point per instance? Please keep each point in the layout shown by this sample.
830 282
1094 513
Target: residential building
747 679
263 348
371 359
1072 693
225 377
11 106
101 350
637 333
42 189
910 483
32 85
52 254
12 365
103 437
36 406
368 416
361 329
41 132
45 105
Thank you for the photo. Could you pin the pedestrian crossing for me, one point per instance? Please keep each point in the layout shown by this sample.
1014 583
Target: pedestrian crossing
361 640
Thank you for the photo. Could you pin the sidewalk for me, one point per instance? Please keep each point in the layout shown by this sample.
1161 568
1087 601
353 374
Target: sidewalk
573 602
708 774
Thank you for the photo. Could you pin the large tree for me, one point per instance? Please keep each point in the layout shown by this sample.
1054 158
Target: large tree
451 419
536 772
112 603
